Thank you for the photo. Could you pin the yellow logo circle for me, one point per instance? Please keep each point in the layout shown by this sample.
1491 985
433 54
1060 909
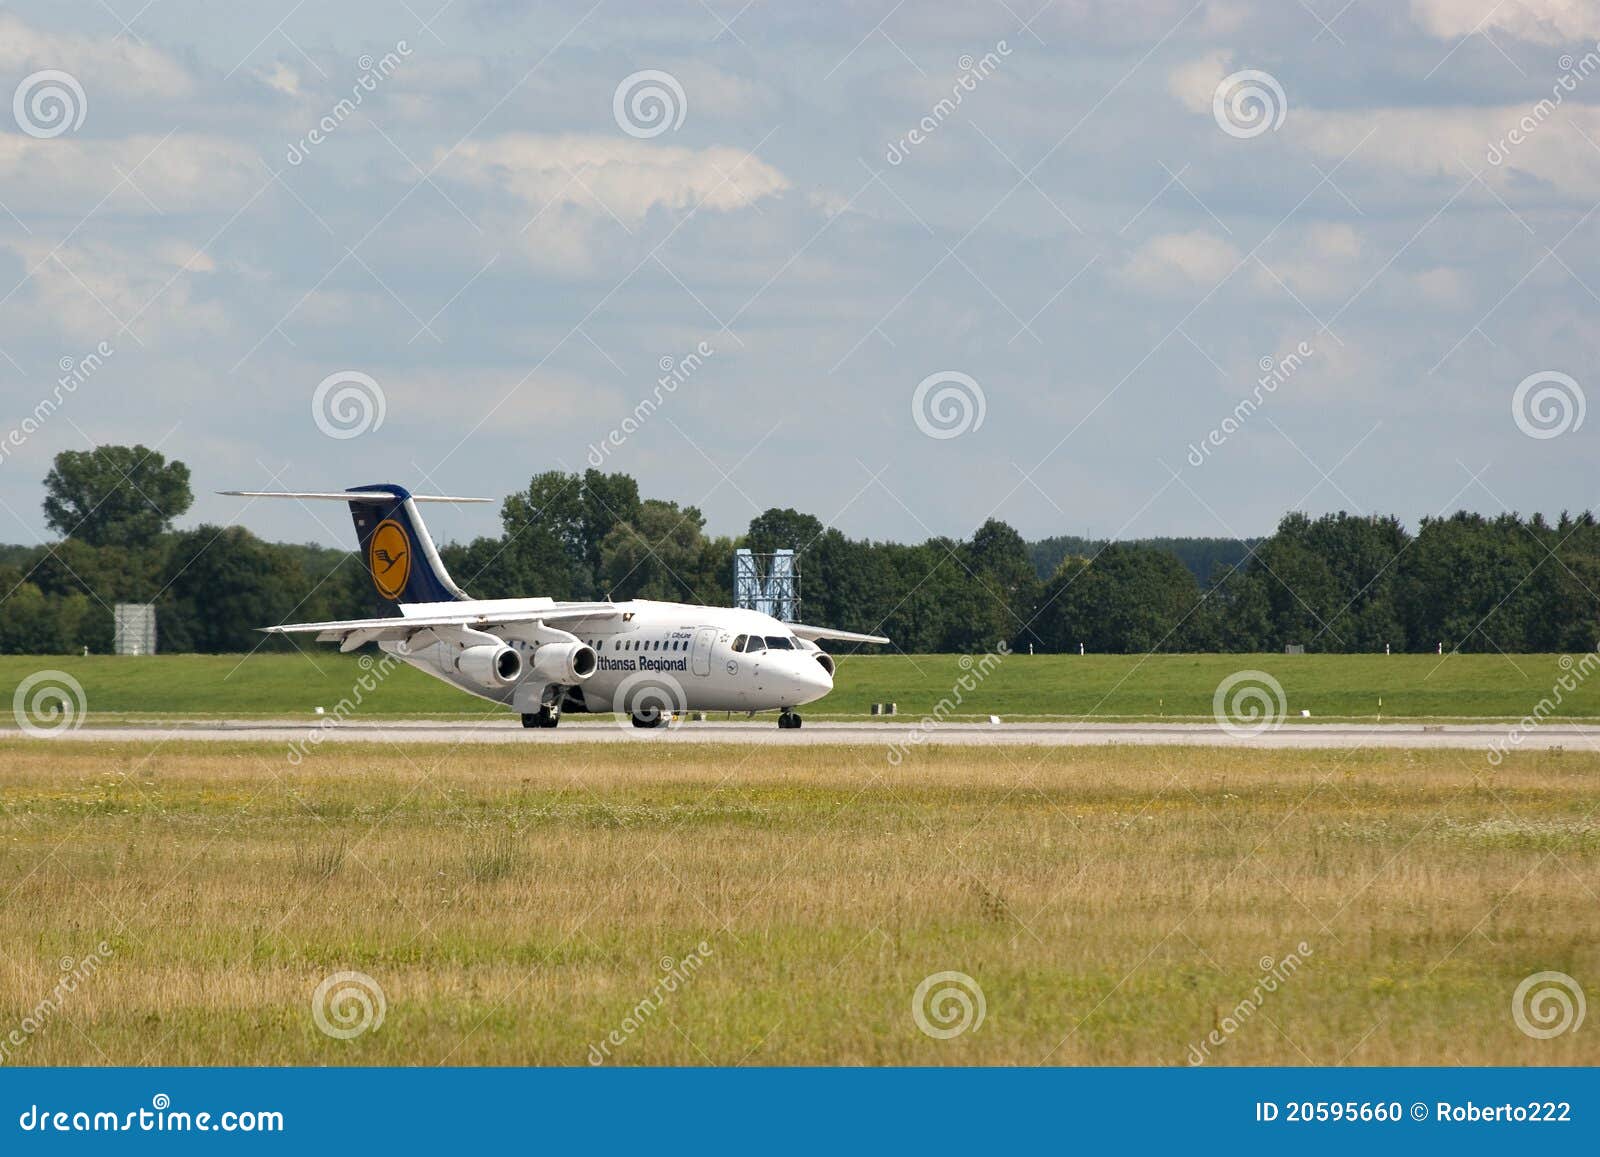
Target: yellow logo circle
389 558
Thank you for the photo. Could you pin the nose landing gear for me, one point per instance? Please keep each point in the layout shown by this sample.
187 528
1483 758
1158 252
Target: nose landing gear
546 716
788 719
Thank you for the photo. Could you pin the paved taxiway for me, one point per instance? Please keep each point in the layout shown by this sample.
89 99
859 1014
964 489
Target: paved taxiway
1480 736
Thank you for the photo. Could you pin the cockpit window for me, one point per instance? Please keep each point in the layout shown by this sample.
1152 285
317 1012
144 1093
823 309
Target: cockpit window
780 642
754 643
739 642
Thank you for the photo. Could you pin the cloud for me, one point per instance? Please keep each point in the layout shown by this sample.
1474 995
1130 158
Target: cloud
1195 83
620 177
122 66
1321 261
519 399
723 94
1538 21
74 174
282 78
1507 145
1440 286
1177 260
88 290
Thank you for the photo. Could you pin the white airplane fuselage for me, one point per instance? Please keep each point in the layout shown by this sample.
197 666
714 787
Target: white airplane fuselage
682 652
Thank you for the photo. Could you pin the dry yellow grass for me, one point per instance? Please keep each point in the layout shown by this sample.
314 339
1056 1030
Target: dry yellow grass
514 904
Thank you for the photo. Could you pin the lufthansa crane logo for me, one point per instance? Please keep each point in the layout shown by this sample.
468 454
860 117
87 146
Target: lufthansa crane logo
389 558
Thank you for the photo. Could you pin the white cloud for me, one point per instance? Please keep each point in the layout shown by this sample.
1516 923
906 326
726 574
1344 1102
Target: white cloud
519 400
74 174
1449 143
623 177
282 78
1539 21
1177 260
101 65
1320 261
1195 83
90 289
1441 286
723 94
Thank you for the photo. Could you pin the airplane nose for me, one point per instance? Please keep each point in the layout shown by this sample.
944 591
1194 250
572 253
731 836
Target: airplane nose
811 681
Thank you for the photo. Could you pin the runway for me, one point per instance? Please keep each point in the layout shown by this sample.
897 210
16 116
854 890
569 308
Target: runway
907 735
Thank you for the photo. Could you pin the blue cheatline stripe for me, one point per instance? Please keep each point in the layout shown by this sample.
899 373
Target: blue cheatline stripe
878 1111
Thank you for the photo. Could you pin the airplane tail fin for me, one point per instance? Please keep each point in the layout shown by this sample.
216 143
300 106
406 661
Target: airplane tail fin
396 549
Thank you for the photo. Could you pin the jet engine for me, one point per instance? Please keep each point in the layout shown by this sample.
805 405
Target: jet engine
490 664
564 662
822 657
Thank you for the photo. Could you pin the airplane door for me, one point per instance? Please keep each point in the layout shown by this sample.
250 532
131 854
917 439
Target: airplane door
700 657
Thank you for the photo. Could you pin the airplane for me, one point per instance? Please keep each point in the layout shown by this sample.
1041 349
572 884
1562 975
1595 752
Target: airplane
654 661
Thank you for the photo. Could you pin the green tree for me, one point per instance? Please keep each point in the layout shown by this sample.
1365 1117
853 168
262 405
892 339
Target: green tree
1127 599
1328 584
663 553
1476 584
1006 589
608 499
115 495
782 529
542 548
221 584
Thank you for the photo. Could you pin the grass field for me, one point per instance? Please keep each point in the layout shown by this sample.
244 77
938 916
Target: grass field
1063 686
515 905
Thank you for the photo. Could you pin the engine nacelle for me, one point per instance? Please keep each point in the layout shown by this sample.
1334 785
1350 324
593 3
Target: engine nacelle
564 662
490 664
824 660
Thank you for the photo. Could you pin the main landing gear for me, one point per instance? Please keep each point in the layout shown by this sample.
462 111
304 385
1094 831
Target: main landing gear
650 717
788 719
546 716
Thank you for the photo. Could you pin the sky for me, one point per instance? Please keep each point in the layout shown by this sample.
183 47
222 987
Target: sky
1119 269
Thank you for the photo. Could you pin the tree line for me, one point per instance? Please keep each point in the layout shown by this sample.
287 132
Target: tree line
1337 583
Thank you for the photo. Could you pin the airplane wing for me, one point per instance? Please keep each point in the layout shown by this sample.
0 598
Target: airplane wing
815 633
353 633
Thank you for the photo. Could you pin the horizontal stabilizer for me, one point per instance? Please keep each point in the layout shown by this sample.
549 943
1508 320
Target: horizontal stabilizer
376 496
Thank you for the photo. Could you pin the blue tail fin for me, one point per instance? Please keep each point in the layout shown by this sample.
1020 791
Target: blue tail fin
400 557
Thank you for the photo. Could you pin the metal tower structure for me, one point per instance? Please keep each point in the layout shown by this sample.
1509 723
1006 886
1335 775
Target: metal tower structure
769 583
134 627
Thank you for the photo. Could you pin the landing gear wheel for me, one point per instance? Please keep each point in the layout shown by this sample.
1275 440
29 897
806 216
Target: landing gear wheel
788 719
649 717
545 717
